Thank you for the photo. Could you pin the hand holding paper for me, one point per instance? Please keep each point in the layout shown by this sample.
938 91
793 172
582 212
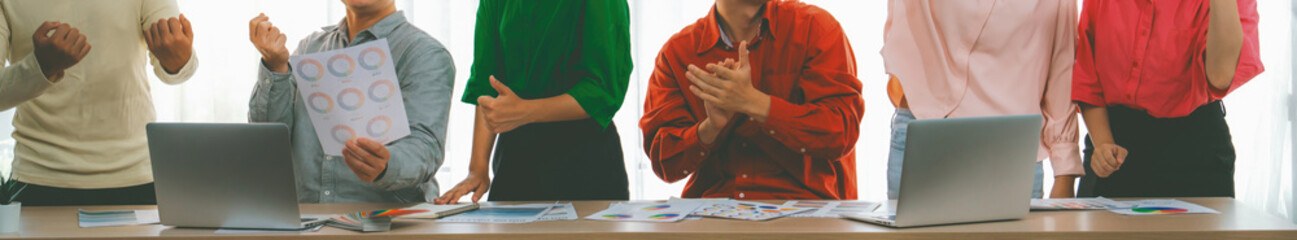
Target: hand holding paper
366 158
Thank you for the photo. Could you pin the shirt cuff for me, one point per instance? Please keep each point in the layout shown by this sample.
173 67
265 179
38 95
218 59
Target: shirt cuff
181 76
268 76
1065 159
36 72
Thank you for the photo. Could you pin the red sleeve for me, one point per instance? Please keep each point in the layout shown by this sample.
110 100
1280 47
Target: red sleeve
827 124
670 128
1249 59
1085 78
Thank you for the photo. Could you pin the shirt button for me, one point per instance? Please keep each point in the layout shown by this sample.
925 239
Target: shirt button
741 195
686 172
772 132
803 150
745 176
1136 64
702 154
327 193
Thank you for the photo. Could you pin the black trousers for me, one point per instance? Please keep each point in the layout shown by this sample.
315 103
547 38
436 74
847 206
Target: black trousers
1189 156
37 195
572 160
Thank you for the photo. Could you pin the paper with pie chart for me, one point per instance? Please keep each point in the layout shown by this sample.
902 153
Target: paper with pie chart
352 93
1162 207
647 212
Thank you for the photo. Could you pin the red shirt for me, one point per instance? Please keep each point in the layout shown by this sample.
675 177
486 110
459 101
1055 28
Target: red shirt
806 147
1148 55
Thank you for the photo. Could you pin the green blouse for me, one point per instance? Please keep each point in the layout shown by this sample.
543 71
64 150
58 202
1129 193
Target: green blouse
547 48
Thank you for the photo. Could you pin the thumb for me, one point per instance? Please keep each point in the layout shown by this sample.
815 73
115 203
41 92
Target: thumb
743 54
500 87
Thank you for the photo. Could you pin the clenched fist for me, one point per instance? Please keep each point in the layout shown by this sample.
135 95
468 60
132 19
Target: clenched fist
59 50
270 42
171 41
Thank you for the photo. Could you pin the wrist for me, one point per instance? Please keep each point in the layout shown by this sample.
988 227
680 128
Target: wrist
275 65
758 105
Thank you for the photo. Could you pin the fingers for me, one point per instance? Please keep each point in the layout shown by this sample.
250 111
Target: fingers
252 25
375 148
43 31
85 50
701 84
1121 156
357 166
175 27
365 157
150 36
707 98
743 54
479 191
500 87
61 32
164 28
188 28
724 72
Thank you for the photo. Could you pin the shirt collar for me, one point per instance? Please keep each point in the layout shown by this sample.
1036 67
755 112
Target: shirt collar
712 36
379 30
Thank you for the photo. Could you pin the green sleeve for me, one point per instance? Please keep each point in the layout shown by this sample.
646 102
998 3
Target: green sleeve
605 62
486 37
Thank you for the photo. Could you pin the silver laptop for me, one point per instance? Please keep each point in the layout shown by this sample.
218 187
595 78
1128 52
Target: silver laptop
225 176
963 170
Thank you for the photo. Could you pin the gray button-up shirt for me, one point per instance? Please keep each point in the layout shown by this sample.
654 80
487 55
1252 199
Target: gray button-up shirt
426 74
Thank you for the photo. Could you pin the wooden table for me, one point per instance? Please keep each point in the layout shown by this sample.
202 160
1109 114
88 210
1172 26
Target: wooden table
1235 222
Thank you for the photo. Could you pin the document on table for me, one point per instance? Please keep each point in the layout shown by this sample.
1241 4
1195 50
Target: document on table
743 210
1077 204
87 219
831 209
1162 207
670 211
557 212
500 214
346 102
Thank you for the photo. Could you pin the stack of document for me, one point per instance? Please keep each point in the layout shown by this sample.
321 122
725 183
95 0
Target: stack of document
676 210
751 211
87 219
502 214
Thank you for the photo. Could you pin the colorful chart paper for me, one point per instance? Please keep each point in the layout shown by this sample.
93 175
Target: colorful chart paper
1076 204
831 209
501 214
1161 207
647 212
751 211
347 102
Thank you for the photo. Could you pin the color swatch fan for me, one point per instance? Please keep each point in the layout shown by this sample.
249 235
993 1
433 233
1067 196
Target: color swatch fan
1162 207
351 93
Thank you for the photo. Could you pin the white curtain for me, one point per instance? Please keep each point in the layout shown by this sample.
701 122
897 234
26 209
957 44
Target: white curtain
1258 112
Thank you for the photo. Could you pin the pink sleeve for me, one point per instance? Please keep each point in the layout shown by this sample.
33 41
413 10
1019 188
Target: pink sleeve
1249 60
1059 135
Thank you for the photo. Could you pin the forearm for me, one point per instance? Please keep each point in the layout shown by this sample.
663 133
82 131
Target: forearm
22 81
1096 120
1224 43
556 109
483 143
273 97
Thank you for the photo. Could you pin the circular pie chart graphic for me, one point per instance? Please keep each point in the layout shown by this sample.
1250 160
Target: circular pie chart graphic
1159 210
381 90
310 70
341 65
372 58
379 126
657 207
320 102
665 216
343 133
351 99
